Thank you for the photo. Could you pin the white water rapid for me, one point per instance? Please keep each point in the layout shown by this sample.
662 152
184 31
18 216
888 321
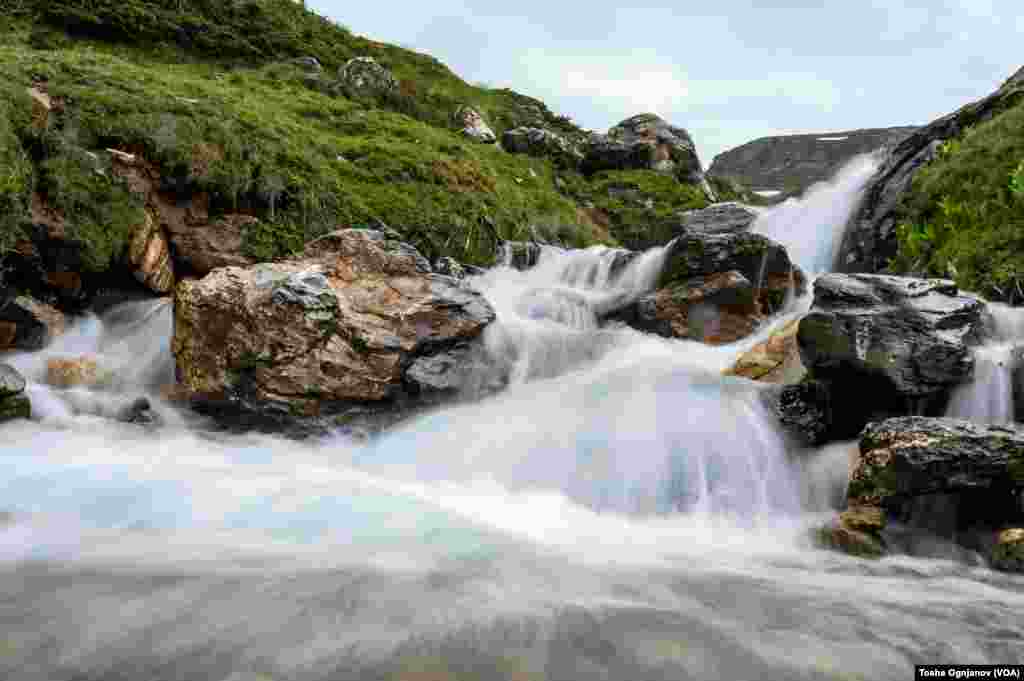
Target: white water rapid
620 512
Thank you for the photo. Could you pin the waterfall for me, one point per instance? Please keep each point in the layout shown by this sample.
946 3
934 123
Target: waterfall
811 227
619 511
989 397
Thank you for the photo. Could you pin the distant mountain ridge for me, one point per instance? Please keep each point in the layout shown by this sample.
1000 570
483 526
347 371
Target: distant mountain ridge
791 163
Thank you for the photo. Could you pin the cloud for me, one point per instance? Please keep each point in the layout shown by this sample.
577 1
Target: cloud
647 90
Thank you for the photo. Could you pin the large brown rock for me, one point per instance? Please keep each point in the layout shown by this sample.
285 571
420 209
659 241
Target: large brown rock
716 288
338 326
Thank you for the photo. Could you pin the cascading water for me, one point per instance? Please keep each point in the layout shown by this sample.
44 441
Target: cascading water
989 397
618 512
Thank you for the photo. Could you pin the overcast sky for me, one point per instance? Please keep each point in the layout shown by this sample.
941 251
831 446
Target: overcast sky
726 71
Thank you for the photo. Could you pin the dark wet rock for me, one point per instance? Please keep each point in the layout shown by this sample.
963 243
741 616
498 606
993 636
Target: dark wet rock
870 241
645 141
11 382
139 412
716 288
913 456
14 404
462 369
913 334
717 218
521 255
329 334
792 163
27 324
542 143
450 267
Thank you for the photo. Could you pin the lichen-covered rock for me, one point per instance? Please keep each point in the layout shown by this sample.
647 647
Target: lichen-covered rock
11 382
914 456
472 124
366 76
339 325
645 141
912 333
27 324
775 360
542 143
716 288
150 256
717 218
1008 554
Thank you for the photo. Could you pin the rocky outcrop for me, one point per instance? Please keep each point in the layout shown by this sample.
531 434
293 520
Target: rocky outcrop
716 288
792 163
911 335
333 333
870 241
366 76
472 124
542 143
27 324
647 142
13 402
717 218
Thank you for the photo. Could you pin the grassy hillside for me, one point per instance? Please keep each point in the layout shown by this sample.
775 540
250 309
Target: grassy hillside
964 215
207 91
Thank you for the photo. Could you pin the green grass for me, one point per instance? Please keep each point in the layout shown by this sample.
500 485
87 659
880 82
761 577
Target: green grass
205 91
638 205
964 215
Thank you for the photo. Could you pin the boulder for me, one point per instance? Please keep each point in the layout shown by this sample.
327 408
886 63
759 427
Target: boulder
335 328
909 335
1008 554
914 456
149 255
716 218
870 241
366 76
647 142
716 288
13 402
775 360
472 125
27 324
542 143
138 412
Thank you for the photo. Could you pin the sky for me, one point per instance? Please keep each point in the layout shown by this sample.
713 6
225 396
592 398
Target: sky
727 71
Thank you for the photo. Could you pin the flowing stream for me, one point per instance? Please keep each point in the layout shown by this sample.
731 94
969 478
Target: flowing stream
619 512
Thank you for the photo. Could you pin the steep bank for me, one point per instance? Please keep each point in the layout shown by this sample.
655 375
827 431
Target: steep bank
948 201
